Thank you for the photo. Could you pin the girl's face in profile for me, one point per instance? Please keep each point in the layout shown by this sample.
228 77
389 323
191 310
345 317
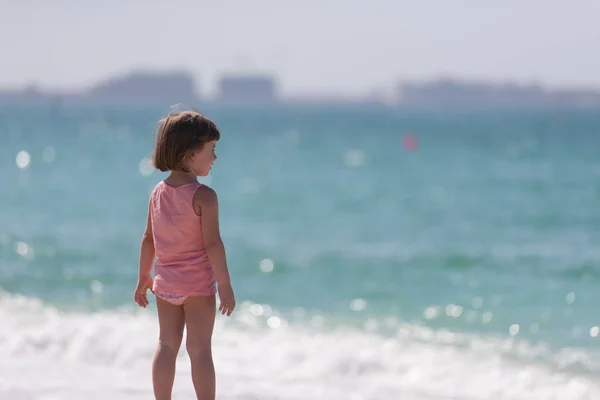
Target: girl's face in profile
203 159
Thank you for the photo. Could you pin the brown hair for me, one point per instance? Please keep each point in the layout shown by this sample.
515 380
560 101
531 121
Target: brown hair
179 136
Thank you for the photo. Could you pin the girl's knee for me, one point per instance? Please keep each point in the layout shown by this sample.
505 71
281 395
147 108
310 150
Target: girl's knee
170 344
199 351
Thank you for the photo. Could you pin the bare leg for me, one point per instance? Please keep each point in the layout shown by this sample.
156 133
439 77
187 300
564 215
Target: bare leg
200 320
171 321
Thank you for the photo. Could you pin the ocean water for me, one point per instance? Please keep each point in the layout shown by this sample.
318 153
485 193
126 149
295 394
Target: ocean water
466 267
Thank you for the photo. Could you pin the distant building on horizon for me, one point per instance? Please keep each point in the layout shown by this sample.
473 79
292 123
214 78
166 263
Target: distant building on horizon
247 89
146 87
29 94
447 93
452 93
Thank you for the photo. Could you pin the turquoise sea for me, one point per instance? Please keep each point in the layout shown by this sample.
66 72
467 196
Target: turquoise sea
466 267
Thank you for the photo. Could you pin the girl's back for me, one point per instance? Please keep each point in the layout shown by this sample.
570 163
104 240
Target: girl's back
182 265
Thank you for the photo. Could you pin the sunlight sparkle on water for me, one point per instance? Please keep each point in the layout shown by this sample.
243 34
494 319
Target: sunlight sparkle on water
23 159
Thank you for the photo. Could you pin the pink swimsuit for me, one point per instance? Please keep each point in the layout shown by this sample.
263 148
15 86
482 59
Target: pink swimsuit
182 267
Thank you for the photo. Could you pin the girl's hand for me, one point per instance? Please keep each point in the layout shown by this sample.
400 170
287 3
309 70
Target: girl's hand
227 299
140 291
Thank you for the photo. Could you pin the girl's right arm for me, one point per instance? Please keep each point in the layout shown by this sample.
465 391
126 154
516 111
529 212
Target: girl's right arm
209 211
147 255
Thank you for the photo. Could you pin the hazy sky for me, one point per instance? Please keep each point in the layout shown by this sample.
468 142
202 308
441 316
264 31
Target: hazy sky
343 46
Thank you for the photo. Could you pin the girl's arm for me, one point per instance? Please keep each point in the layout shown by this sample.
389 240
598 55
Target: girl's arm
147 251
147 254
209 211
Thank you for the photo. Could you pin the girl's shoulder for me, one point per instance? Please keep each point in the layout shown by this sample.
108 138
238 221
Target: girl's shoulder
204 192
155 189
204 196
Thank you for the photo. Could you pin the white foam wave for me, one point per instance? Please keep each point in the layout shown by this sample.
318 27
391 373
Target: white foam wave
71 355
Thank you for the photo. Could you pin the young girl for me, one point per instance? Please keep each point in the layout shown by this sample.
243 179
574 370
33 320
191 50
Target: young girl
182 232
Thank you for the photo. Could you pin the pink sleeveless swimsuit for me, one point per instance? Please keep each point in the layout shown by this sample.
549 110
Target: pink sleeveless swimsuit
182 267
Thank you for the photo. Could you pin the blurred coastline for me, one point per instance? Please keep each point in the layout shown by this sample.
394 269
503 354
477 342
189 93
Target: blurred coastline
263 90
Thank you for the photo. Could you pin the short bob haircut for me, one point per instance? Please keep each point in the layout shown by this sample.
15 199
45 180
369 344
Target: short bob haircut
179 136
